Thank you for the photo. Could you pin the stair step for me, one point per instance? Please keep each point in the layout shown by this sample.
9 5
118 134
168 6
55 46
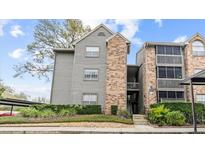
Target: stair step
139 119
141 123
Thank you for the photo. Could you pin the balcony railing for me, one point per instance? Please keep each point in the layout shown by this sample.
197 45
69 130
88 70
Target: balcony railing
132 85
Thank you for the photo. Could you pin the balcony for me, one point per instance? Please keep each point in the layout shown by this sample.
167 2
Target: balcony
132 86
169 83
169 59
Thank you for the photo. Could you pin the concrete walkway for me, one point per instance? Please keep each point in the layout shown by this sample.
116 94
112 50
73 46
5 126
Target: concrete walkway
140 129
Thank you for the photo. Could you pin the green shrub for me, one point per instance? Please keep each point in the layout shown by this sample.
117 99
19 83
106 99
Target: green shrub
123 114
158 114
184 108
34 113
114 109
80 109
67 112
29 112
175 118
88 109
46 113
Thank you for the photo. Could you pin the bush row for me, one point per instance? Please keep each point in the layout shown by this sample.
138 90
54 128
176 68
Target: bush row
80 109
162 116
185 109
59 110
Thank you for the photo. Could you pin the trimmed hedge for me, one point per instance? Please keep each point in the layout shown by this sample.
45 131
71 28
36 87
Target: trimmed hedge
80 109
184 108
114 109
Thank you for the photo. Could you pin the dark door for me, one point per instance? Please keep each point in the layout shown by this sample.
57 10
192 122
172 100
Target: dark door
134 108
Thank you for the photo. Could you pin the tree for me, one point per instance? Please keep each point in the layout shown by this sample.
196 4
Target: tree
2 89
8 92
49 34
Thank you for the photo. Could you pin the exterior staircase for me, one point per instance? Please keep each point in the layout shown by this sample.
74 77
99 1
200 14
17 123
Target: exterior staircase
139 119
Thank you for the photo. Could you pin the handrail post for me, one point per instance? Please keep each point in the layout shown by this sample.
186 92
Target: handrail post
11 110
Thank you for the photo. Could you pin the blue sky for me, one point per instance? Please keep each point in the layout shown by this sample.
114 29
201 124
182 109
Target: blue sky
16 34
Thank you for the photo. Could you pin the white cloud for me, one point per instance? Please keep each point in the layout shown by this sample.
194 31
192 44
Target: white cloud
126 27
181 39
2 24
159 22
16 31
17 53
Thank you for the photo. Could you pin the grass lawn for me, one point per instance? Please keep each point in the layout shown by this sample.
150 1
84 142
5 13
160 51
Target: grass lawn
76 118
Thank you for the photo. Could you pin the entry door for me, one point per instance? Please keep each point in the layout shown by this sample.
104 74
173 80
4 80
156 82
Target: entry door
134 108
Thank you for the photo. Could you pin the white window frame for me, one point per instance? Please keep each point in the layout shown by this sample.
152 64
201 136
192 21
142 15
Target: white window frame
90 98
89 74
198 48
200 98
92 51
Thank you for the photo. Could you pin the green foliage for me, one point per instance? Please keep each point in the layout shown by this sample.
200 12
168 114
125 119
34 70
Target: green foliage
67 112
77 118
46 114
123 114
49 34
184 108
175 118
1 91
158 114
29 112
80 109
114 109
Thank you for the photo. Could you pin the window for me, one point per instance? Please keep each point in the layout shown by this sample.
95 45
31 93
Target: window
90 99
198 48
168 50
91 74
169 72
162 72
92 51
200 98
160 50
171 95
176 50
179 94
178 72
162 94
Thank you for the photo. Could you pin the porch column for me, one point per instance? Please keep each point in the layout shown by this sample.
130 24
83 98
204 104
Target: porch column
193 106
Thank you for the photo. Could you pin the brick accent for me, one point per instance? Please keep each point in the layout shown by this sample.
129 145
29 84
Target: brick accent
116 74
149 77
193 62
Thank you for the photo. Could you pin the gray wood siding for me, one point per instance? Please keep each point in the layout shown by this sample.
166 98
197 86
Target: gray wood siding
81 62
62 79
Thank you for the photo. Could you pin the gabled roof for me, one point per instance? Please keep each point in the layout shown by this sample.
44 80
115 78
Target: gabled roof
96 28
195 35
126 40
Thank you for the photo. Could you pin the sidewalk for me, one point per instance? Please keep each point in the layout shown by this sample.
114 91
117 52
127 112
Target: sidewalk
140 129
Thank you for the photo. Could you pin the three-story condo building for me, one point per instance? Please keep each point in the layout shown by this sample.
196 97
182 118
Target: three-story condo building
96 72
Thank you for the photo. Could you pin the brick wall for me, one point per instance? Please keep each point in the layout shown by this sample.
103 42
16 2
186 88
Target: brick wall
116 74
149 79
193 62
